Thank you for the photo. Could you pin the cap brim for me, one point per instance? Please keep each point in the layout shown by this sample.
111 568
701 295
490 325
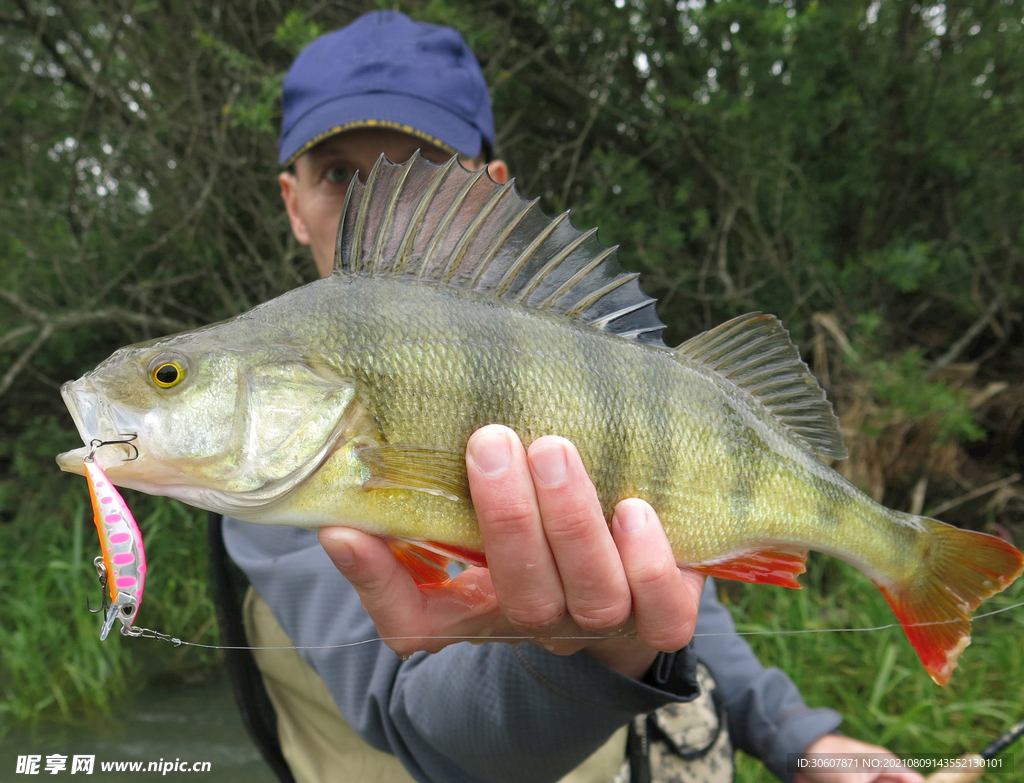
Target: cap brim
404 113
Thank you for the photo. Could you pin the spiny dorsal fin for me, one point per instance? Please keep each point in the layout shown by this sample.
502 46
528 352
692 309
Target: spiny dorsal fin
754 352
449 225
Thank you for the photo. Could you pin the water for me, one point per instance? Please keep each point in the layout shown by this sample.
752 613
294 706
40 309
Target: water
167 721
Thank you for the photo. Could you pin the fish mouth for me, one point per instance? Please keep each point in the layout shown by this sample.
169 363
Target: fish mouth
95 420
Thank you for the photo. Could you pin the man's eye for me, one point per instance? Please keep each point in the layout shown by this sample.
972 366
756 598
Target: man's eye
339 175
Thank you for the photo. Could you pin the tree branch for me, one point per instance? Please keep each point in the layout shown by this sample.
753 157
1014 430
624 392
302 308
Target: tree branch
19 364
48 325
968 337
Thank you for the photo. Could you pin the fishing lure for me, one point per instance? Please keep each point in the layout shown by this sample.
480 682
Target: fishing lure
122 566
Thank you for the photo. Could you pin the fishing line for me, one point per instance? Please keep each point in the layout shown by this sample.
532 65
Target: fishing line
129 569
147 633
123 551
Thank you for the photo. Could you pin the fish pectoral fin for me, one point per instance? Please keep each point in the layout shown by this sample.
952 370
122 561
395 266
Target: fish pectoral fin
421 469
760 566
425 566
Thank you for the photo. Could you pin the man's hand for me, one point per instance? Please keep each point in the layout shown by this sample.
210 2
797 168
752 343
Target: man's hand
555 567
835 744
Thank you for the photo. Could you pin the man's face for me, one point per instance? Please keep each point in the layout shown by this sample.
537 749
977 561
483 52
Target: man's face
315 194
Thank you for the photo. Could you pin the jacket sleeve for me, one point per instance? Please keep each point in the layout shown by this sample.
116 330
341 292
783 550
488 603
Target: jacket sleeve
767 717
488 712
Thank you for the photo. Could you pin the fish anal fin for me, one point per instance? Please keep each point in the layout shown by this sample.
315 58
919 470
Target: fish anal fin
754 353
433 471
759 566
425 566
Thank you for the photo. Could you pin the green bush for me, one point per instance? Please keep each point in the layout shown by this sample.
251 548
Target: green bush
839 164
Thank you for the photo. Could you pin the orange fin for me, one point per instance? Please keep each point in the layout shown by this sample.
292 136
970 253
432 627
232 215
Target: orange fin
463 555
760 566
959 569
426 567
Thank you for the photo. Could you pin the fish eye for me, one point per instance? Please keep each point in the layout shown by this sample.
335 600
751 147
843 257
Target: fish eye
167 373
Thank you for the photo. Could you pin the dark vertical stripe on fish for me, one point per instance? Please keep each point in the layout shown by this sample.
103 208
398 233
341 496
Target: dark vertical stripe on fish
508 372
749 472
655 418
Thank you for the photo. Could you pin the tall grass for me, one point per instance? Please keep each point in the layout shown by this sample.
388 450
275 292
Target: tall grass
874 679
50 652
52 662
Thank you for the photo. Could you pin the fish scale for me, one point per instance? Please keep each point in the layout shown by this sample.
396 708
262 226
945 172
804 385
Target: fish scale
455 303
593 367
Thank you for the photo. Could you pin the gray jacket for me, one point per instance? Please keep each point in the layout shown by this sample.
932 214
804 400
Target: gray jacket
497 712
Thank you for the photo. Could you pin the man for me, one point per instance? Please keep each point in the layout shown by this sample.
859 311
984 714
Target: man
492 711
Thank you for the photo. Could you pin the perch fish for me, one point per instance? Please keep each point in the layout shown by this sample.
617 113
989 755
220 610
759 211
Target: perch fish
455 303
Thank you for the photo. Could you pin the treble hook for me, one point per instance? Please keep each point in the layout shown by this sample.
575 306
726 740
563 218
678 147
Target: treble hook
96 443
101 610
101 569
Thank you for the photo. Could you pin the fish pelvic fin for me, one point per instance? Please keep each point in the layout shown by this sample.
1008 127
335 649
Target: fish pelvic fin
754 353
425 567
759 566
444 224
427 561
460 553
958 570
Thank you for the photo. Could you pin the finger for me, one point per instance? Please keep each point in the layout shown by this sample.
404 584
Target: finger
665 598
387 591
522 568
596 591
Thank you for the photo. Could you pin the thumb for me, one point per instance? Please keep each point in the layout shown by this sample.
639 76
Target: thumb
387 591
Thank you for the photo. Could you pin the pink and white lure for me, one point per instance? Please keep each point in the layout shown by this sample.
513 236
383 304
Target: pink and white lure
122 567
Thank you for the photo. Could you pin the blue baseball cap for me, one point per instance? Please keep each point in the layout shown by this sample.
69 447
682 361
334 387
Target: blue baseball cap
386 71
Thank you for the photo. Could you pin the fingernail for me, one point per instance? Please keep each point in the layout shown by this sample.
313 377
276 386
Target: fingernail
631 516
337 548
491 451
549 464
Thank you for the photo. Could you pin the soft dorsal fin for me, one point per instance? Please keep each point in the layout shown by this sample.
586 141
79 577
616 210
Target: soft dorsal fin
754 352
445 224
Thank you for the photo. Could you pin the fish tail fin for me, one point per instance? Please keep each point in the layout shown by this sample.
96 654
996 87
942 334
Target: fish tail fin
958 570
